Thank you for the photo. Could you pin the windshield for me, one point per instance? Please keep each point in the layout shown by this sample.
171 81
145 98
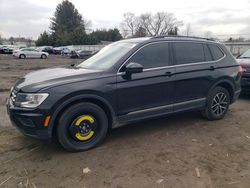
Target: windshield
246 54
107 56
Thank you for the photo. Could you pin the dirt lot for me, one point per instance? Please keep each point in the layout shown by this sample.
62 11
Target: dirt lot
156 153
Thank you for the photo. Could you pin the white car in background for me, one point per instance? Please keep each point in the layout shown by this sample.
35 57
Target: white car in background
30 53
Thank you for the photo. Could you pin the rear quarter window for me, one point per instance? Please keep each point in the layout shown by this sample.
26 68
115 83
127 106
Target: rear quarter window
216 52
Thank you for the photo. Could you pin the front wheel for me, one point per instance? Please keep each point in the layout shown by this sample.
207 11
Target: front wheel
43 56
218 102
82 127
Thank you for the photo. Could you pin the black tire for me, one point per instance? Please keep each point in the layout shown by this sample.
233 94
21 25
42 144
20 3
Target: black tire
218 101
43 56
22 56
67 119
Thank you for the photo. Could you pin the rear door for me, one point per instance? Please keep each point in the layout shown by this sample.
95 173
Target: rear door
195 72
151 88
36 53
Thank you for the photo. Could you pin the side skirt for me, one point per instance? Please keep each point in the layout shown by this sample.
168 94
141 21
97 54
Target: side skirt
160 111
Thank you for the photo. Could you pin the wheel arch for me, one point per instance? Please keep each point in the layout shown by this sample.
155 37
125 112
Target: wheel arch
99 101
227 84
21 55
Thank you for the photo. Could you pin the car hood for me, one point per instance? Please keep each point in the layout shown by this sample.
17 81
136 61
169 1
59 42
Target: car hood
34 81
244 62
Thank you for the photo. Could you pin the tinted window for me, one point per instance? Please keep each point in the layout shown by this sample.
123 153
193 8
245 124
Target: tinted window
216 52
188 52
207 53
153 55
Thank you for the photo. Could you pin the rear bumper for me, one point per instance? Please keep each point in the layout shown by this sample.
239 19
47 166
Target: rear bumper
245 84
29 123
236 95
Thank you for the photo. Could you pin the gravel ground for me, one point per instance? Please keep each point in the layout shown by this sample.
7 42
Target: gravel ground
167 152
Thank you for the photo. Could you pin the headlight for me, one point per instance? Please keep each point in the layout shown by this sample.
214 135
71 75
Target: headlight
30 100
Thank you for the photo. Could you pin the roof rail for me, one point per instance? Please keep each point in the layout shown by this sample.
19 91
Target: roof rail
180 36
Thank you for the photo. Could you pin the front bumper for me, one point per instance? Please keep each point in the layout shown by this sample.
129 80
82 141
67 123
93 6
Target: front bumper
29 122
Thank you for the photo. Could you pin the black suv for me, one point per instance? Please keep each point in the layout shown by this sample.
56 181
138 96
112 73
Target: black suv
126 81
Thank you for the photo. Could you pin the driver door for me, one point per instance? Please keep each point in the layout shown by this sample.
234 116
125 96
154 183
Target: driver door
152 88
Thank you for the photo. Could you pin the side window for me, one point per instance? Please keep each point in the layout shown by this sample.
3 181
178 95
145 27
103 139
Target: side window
188 52
152 56
207 53
216 52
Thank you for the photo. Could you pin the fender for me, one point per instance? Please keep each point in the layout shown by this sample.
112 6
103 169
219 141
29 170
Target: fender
75 98
223 80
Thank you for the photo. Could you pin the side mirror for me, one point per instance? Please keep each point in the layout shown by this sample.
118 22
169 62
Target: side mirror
132 68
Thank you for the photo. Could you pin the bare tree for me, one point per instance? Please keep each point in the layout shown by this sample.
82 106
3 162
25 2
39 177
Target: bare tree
208 34
88 26
188 29
159 24
129 24
1 41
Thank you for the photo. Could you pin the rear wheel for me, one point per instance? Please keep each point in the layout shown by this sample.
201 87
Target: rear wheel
22 56
82 127
218 102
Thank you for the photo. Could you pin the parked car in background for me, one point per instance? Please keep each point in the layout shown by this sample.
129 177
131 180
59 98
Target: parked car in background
62 50
65 51
48 49
244 61
6 49
82 54
127 81
30 53
57 50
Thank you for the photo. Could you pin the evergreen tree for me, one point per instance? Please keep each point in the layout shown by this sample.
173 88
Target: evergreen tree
104 35
44 40
67 25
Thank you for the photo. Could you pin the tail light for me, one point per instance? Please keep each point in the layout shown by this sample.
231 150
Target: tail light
240 71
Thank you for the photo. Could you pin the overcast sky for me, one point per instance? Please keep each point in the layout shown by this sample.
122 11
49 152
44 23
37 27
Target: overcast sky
29 18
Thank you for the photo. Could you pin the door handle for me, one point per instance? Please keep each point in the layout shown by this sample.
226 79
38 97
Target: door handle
169 74
211 68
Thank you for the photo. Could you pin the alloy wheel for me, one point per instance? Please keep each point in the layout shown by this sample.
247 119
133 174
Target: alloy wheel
219 104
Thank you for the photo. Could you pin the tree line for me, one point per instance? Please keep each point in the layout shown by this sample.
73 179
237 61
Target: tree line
68 27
